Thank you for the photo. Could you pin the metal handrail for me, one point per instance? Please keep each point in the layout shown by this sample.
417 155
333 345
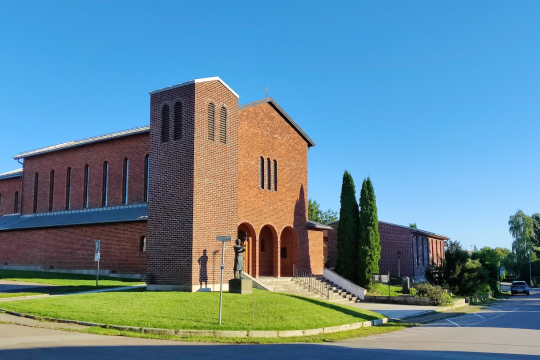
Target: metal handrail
311 281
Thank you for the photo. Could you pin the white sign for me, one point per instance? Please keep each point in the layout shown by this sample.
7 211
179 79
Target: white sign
223 238
97 257
96 248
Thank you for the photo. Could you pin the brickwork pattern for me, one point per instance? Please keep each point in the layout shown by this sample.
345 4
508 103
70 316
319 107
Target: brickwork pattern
264 132
73 247
8 187
135 148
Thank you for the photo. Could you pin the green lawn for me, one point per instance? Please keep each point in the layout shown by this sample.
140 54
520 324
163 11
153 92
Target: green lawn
65 283
382 290
9 295
178 310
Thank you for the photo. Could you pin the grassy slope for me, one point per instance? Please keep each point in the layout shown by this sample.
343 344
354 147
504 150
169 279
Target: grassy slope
382 290
175 310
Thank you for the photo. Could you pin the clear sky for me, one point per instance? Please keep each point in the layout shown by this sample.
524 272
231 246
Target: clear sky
437 101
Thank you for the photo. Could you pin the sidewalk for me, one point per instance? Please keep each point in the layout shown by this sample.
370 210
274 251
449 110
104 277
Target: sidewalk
395 311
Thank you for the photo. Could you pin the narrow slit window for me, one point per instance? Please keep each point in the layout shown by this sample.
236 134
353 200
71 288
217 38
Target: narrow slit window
51 191
165 123
261 173
177 134
36 189
275 175
263 249
223 125
143 243
68 189
105 185
423 244
268 175
211 121
16 203
146 177
125 182
0 203
86 186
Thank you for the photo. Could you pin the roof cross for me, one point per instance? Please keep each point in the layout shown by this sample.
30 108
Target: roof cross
267 90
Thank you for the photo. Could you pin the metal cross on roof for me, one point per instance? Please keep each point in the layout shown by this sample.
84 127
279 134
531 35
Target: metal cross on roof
267 90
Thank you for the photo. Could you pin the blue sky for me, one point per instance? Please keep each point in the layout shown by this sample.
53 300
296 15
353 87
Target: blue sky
437 101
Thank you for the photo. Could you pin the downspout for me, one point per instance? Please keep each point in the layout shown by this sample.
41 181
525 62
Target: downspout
22 187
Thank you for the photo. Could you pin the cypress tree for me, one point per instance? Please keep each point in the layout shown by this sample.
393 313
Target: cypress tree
347 243
369 249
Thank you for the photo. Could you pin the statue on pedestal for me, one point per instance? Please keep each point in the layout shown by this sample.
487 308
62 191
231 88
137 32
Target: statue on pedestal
238 259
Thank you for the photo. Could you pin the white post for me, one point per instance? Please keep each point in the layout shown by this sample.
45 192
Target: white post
221 285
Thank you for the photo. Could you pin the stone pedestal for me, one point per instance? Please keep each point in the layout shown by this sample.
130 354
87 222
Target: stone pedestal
241 286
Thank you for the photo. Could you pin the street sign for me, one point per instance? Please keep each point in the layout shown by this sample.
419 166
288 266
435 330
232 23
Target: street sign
96 248
97 257
223 240
501 271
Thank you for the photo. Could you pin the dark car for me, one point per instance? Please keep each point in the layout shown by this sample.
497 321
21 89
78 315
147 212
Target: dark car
519 287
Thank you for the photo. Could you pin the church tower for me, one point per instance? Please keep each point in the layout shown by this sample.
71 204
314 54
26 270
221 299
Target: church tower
193 184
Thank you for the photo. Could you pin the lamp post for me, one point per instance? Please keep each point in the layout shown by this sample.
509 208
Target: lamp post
399 263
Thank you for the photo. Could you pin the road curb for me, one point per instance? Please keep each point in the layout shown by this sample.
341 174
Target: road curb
214 333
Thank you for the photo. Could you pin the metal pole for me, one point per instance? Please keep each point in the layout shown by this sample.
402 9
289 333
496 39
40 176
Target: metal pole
388 283
530 270
399 267
221 285
97 273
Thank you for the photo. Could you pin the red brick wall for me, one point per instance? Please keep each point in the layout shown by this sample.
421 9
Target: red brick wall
8 187
394 239
113 151
73 247
193 188
264 132
315 254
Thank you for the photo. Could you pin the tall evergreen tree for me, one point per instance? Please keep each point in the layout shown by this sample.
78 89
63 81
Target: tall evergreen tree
369 249
347 236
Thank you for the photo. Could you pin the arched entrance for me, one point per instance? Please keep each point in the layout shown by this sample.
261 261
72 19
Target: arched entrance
267 241
287 251
248 236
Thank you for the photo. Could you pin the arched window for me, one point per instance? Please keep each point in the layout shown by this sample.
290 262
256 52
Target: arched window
105 185
125 182
143 243
275 175
86 193
146 177
165 123
223 125
261 173
177 120
36 188
211 121
68 189
268 175
51 191
16 203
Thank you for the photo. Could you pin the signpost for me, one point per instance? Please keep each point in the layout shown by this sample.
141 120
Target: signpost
97 257
223 239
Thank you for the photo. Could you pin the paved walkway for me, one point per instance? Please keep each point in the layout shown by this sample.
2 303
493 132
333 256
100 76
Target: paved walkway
395 311
7 286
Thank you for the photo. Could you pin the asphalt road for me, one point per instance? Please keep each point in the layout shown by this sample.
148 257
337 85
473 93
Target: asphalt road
510 330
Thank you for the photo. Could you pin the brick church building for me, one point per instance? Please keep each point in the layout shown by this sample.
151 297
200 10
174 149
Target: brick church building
157 196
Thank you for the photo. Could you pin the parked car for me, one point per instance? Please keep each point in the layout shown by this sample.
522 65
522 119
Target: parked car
519 287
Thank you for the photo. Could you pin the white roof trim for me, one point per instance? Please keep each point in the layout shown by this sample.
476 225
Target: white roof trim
70 144
196 81
11 174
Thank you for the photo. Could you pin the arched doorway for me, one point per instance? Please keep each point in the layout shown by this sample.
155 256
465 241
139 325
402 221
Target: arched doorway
248 236
287 251
266 251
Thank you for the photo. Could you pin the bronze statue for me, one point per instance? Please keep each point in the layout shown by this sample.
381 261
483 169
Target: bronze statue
238 259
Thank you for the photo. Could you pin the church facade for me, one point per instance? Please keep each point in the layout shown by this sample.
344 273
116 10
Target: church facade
157 196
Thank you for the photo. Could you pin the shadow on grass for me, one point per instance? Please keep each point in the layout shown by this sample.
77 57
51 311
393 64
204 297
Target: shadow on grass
60 290
341 309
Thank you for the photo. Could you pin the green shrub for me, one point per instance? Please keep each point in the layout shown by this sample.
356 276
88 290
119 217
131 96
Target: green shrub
413 292
435 294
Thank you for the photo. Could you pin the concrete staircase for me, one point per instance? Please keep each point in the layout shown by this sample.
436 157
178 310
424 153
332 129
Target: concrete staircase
296 286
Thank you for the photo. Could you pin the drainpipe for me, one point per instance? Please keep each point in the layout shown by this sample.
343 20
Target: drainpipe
22 187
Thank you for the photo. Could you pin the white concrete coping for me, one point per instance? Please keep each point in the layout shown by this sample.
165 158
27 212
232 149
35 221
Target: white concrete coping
345 284
216 333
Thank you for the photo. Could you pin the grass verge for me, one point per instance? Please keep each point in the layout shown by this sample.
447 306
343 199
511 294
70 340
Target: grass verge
262 310
382 290
344 335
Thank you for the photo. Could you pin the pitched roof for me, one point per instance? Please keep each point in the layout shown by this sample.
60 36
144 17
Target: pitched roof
282 113
113 214
318 226
196 81
70 144
12 174
418 231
